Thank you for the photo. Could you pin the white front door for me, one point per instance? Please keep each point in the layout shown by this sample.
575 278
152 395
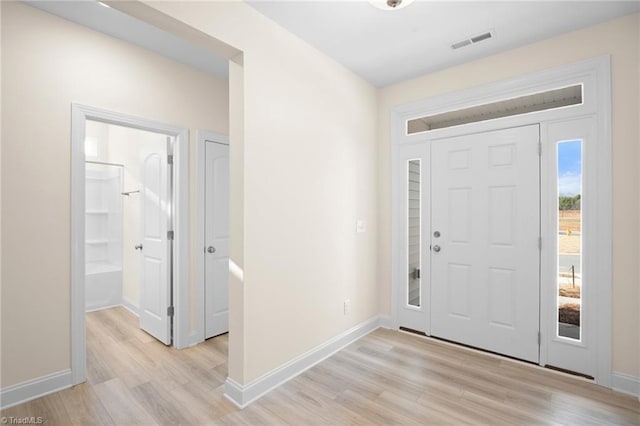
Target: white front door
216 239
155 286
485 228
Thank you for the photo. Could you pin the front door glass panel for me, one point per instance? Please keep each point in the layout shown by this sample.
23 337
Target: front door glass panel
569 239
414 198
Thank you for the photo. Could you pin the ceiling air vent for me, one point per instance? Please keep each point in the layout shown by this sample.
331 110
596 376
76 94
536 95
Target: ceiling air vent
472 40
460 44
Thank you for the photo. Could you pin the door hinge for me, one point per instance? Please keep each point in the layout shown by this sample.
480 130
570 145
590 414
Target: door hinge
539 338
539 149
539 243
170 235
169 159
170 311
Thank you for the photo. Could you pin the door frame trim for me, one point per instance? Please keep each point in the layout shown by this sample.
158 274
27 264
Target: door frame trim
595 75
79 115
203 136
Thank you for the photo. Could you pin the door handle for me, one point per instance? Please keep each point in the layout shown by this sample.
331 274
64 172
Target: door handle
211 249
138 247
436 248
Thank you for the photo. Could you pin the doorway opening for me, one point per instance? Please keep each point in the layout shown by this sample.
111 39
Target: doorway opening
129 225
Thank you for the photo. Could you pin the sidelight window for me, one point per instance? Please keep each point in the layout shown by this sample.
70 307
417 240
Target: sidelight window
570 229
414 249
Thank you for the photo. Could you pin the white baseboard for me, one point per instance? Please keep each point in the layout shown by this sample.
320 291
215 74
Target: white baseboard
100 308
386 322
625 383
32 389
243 395
126 303
235 393
195 338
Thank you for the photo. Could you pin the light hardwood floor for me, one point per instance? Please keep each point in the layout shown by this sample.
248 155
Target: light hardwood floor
387 377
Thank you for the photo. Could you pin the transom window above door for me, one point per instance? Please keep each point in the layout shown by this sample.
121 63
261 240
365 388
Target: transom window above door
541 101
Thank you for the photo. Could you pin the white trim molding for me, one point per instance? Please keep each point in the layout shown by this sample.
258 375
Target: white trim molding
32 389
79 116
387 322
203 136
129 306
243 395
626 383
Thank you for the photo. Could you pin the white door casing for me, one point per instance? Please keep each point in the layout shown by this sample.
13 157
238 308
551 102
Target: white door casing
216 230
485 205
155 281
79 115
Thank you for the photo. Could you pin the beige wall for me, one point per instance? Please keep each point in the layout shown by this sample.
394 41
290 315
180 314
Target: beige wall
618 38
310 167
236 221
47 63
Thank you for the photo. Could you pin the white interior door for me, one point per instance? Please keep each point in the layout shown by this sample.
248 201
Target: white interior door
485 206
216 239
155 286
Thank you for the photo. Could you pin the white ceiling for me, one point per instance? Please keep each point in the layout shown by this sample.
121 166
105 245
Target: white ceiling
386 47
117 24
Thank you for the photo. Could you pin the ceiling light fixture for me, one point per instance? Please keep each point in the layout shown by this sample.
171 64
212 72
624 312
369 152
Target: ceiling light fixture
390 4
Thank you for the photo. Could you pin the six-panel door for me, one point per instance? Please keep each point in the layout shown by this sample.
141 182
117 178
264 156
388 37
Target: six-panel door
485 207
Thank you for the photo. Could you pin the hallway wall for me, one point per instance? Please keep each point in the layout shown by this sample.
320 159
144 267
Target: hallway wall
307 173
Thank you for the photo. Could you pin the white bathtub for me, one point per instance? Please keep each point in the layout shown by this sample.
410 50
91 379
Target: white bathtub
103 285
